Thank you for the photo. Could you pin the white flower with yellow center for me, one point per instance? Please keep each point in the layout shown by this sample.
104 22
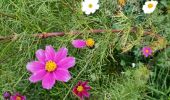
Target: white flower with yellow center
149 6
90 6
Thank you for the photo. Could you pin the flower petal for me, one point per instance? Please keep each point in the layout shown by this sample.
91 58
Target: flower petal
34 66
79 43
87 87
86 94
40 54
62 75
66 63
48 81
49 52
61 53
12 97
80 94
37 76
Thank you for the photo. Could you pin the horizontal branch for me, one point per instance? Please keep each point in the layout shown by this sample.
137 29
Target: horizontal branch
54 34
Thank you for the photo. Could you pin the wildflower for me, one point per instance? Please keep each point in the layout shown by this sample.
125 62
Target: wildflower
149 6
17 96
6 95
133 65
90 6
83 43
51 66
81 89
147 51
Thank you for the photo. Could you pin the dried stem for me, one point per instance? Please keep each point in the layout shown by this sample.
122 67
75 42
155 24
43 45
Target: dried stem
54 34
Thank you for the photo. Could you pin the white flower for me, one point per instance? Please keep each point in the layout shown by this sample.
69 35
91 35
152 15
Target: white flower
149 6
133 65
90 6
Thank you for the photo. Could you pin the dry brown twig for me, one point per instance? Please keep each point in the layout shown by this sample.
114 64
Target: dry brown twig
55 34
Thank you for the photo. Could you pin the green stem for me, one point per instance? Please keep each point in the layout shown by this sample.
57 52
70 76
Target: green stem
8 15
69 89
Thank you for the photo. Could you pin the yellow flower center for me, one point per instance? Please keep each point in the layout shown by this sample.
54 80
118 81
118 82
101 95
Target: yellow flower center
90 42
18 98
146 51
150 5
80 88
50 66
90 6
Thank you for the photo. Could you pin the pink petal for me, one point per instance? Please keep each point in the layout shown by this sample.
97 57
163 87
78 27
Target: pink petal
49 52
87 87
66 63
48 81
62 75
80 94
86 94
34 66
79 83
79 43
12 97
62 53
40 54
84 83
37 76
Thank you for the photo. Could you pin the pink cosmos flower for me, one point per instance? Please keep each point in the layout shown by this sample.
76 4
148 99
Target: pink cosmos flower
17 96
83 43
147 51
51 66
81 90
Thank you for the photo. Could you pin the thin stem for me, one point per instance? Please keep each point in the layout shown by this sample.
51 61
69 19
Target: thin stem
69 89
94 31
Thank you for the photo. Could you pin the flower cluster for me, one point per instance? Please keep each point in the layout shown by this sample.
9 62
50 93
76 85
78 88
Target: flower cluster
52 66
90 6
7 96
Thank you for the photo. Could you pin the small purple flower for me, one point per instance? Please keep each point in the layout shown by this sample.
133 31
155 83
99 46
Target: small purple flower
147 51
6 95
17 96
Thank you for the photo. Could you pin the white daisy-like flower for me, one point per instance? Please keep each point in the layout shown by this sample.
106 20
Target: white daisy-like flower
90 6
133 65
149 6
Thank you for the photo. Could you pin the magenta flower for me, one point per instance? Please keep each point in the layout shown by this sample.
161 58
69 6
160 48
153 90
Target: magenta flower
83 43
17 96
81 90
147 51
51 66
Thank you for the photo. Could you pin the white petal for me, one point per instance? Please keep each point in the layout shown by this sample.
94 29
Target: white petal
87 12
151 2
92 1
96 7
